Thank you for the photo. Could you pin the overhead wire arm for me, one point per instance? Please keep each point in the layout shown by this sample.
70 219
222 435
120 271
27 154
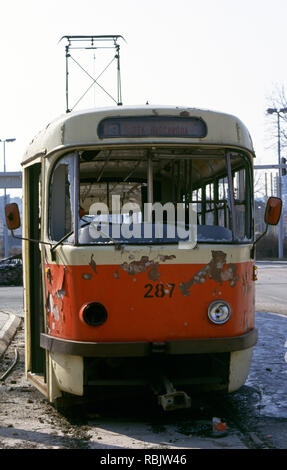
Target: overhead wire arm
112 37
95 81
92 42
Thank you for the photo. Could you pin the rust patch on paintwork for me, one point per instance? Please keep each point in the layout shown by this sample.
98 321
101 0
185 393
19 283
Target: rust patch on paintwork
184 114
136 267
60 294
145 264
55 294
154 274
93 264
213 270
87 276
246 285
166 257
230 274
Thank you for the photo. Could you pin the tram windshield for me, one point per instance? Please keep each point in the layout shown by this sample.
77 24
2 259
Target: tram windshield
109 196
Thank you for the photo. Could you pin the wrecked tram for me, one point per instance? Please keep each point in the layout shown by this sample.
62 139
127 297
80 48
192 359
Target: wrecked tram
108 304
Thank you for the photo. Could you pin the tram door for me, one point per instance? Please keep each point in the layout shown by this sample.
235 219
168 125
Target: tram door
34 292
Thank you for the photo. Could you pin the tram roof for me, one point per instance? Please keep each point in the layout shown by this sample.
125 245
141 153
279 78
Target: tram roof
79 128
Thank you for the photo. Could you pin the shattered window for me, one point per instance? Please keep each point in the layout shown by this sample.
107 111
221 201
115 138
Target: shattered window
226 202
116 186
61 197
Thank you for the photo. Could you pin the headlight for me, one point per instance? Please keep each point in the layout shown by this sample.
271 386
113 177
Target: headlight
219 312
93 314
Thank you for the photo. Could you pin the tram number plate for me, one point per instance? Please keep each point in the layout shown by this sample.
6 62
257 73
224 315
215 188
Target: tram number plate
159 290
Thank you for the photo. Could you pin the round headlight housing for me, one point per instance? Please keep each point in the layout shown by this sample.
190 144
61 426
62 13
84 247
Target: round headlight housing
94 314
219 312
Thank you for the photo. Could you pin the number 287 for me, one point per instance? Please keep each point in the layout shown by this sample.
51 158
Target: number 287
158 290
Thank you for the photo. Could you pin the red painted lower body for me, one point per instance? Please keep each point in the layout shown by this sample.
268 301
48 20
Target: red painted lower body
155 303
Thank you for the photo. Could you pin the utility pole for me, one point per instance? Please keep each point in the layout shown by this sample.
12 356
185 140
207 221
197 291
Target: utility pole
280 233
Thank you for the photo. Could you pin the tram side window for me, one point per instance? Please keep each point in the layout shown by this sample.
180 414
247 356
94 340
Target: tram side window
223 209
61 190
240 198
214 208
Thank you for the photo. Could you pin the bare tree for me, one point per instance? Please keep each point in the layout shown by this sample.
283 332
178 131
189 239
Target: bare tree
259 185
277 100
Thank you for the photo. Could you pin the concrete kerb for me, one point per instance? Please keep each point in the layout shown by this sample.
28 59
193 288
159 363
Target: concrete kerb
8 330
271 308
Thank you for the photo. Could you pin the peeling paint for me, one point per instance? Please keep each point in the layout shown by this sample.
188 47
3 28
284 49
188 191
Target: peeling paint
87 276
154 274
49 277
59 279
166 257
145 264
230 274
93 264
213 270
60 294
150 274
136 267
62 133
55 295
246 285
184 114
53 308
238 132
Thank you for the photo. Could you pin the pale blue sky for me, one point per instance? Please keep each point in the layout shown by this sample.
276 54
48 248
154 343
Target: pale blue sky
218 54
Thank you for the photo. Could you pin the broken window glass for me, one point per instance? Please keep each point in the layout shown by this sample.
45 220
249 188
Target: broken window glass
116 185
61 206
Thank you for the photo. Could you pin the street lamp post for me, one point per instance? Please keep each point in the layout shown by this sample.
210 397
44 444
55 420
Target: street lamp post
280 234
5 230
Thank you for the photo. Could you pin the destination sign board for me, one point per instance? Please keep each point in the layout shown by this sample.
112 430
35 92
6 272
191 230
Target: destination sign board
152 126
